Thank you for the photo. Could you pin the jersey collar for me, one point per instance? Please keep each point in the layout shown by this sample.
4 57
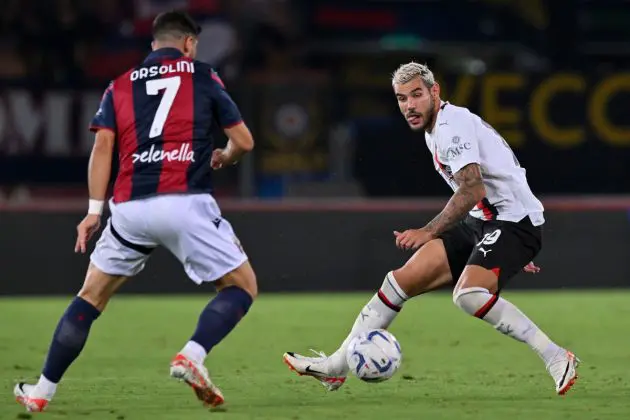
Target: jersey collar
167 52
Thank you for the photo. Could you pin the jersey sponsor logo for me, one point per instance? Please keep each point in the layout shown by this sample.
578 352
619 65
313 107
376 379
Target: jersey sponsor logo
457 148
183 154
178 67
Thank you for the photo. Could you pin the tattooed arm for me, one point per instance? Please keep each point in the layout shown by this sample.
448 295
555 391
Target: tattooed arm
469 192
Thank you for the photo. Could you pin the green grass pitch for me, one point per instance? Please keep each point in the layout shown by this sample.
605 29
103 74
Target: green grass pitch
454 366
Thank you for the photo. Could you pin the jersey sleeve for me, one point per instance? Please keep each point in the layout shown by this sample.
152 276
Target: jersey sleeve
105 117
227 112
459 142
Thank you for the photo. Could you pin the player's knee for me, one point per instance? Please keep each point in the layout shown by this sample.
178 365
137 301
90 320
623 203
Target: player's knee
94 297
251 290
471 299
243 278
415 279
249 283
99 287
406 281
252 287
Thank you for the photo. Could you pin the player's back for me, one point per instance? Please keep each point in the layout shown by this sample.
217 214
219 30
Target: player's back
164 112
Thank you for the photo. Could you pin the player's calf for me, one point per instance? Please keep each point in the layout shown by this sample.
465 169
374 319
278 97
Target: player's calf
476 300
379 312
509 320
236 293
99 287
426 270
68 341
70 336
217 320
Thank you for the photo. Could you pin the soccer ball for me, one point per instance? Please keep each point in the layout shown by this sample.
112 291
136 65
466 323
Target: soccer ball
374 356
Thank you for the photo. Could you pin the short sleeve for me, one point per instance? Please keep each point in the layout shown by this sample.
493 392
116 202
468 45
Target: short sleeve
459 142
227 113
105 117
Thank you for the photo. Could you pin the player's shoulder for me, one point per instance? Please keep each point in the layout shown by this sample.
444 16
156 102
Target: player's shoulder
212 73
202 66
121 78
456 114
452 121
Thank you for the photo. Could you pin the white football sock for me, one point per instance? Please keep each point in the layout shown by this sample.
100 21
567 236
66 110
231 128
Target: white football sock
44 389
379 312
194 352
506 318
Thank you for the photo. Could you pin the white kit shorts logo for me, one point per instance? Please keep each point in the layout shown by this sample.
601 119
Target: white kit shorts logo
183 154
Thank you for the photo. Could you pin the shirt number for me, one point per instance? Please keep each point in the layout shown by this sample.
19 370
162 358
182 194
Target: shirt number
171 86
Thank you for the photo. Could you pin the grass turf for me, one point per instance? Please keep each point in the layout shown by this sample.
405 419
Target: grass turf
454 366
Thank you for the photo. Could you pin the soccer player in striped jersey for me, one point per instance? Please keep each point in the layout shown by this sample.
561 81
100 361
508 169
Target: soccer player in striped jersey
160 115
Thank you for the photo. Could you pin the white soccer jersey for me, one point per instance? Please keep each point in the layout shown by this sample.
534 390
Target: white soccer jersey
460 138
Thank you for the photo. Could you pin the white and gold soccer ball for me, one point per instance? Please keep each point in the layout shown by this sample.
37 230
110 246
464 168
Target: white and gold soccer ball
374 356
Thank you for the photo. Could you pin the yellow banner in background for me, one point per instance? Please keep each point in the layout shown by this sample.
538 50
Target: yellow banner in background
563 110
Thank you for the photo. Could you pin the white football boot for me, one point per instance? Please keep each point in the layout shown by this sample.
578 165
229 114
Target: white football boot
563 370
316 367
197 377
22 392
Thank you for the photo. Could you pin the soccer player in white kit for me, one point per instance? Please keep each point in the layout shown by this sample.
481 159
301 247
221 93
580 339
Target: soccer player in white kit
487 232
160 114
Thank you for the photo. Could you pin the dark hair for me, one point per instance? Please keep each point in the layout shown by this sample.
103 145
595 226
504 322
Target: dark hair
175 23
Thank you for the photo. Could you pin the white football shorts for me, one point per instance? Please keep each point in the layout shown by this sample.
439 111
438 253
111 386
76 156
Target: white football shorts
189 226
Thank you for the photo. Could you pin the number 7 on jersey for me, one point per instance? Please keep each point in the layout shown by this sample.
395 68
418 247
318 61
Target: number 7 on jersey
171 86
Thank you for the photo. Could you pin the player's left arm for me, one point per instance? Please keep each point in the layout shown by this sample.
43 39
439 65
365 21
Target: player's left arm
240 139
458 143
469 192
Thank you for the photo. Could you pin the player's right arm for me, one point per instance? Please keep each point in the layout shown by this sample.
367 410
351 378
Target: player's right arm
240 142
99 168
459 143
240 139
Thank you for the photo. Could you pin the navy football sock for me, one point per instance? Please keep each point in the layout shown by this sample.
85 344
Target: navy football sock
69 338
221 315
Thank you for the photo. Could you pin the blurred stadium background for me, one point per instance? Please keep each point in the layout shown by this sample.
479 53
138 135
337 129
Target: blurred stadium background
335 168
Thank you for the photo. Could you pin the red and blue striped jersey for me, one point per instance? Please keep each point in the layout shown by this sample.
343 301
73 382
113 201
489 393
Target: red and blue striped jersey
163 112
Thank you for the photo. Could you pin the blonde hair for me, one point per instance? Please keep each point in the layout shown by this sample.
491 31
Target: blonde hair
407 72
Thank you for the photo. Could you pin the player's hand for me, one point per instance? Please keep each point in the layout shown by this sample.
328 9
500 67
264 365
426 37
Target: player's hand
531 268
412 238
86 229
218 159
